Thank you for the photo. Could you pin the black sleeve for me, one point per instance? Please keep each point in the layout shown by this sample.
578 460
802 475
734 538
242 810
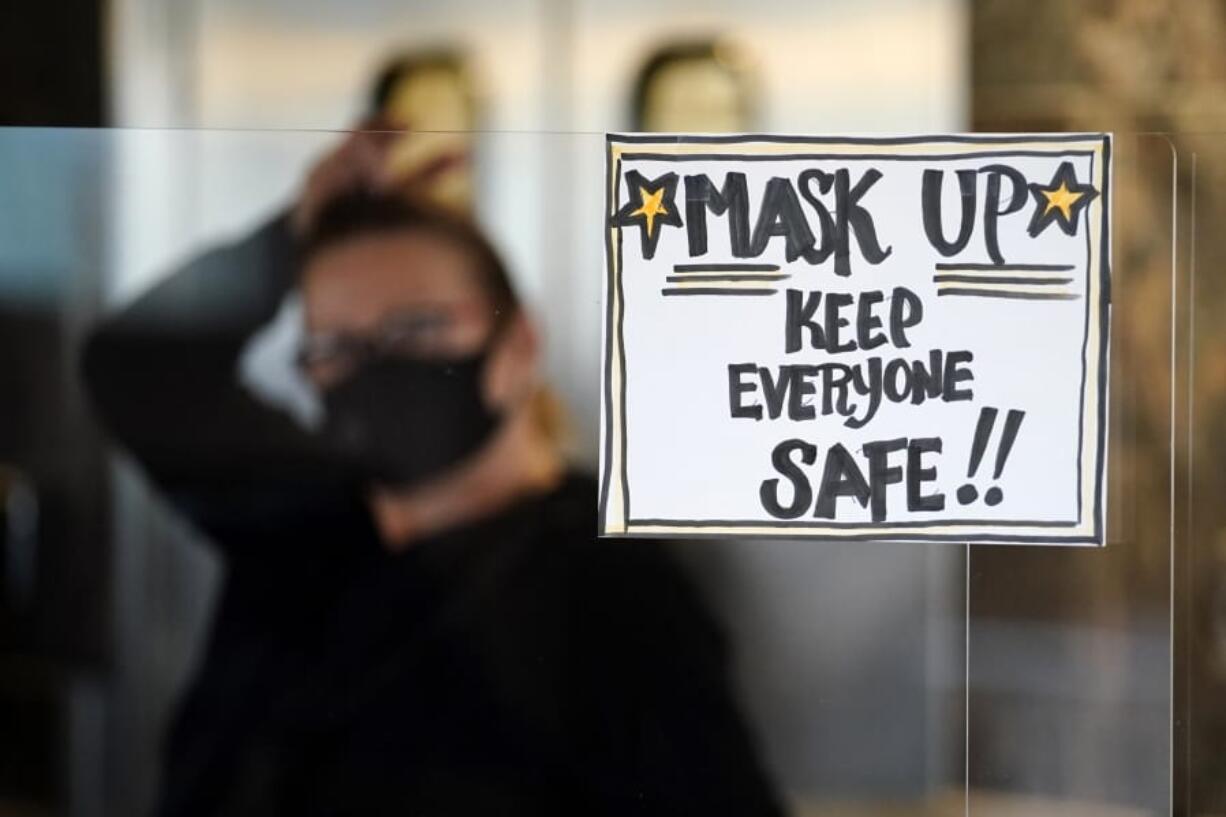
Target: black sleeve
672 734
162 376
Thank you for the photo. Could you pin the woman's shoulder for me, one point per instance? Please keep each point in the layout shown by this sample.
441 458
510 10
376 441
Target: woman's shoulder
636 568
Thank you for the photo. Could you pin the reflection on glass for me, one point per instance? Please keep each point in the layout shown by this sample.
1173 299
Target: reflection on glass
695 87
432 94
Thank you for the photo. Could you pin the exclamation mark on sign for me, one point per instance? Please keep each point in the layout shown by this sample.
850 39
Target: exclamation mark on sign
968 493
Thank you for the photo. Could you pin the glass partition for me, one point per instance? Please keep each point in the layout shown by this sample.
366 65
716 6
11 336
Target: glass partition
861 678
1198 577
1069 651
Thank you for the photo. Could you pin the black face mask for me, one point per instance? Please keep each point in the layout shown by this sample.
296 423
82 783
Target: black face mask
402 420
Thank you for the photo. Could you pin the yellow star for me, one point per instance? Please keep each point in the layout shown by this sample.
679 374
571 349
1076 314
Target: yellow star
1061 199
652 207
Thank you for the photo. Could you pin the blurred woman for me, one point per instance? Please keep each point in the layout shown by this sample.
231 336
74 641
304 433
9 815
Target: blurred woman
418 616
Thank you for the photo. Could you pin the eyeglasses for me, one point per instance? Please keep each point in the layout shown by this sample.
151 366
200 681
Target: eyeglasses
331 356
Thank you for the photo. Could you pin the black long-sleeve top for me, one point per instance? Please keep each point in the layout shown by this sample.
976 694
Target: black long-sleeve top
517 666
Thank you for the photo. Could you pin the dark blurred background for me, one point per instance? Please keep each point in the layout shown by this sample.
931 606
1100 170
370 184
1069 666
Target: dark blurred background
1092 682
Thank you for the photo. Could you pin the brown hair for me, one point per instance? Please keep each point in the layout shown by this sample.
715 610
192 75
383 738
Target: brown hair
405 65
362 213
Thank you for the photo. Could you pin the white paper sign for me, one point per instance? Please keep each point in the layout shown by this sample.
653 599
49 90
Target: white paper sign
856 338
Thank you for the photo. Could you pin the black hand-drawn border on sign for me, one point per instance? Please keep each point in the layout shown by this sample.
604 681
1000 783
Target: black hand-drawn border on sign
614 418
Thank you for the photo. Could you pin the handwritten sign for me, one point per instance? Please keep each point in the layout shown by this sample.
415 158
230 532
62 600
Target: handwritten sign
856 338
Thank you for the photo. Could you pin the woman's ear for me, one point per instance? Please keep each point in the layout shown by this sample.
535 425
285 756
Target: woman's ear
512 369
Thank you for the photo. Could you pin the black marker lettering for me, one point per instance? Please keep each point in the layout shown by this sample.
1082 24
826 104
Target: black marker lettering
733 199
897 380
800 312
852 215
926 381
802 386
867 322
840 477
931 207
834 322
781 216
906 310
880 473
737 387
955 373
824 220
917 475
802 494
774 390
991 205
